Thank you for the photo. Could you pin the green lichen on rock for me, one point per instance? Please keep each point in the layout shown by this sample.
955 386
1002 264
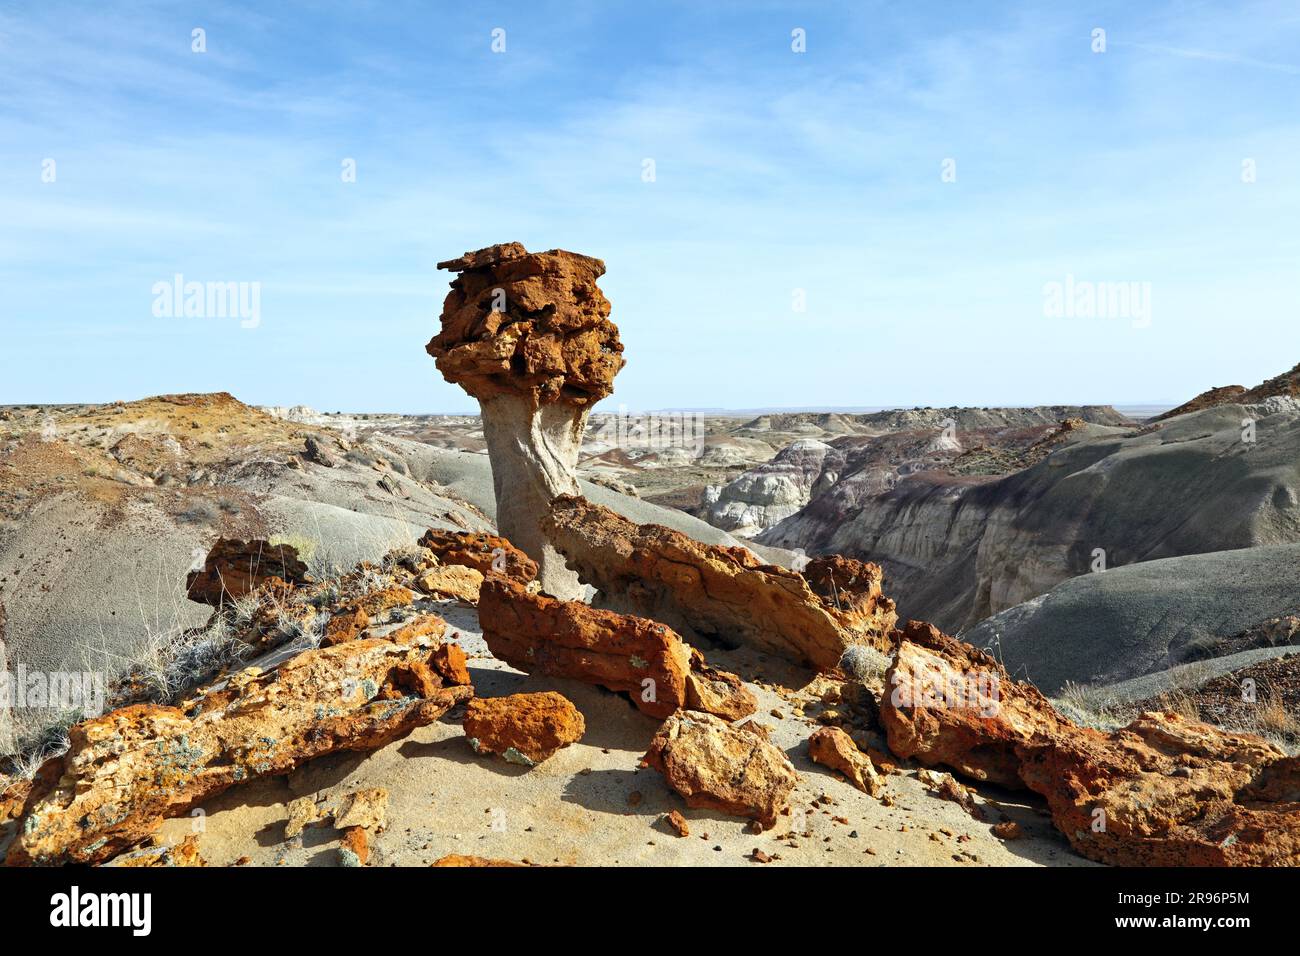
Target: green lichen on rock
512 755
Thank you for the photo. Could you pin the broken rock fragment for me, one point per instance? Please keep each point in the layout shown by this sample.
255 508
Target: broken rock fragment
186 853
947 787
318 449
366 808
303 812
529 336
720 767
720 592
648 661
835 749
459 859
451 581
351 619
485 553
1163 791
354 848
129 769
523 728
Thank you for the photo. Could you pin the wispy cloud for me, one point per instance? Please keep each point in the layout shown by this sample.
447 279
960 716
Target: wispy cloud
775 171
1216 57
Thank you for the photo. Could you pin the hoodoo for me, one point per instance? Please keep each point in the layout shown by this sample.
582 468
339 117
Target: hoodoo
528 335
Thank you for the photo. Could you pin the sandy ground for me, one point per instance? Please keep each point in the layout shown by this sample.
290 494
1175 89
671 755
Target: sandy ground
591 804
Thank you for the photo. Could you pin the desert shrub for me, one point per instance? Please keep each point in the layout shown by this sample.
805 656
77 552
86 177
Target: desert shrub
35 745
863 663
1092 707
1200 649
1179 701
177 661
361 455
243 608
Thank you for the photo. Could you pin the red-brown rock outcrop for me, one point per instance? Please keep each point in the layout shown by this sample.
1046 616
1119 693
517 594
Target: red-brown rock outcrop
234 568
723 593
129 769
523 728
460 859
1163 791
720 767
647 660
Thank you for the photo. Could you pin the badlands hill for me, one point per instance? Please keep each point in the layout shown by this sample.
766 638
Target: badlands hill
998 532
104 509
891 447
958 549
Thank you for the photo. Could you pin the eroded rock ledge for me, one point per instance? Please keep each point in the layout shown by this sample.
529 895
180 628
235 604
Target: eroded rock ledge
1163 791
646 660
723 593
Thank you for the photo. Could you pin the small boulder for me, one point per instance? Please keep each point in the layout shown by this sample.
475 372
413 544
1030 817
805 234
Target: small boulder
485 553
354 850
835 749
523 728
720 767
234 568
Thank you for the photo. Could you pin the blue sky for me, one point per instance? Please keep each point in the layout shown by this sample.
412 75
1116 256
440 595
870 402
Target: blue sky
775 171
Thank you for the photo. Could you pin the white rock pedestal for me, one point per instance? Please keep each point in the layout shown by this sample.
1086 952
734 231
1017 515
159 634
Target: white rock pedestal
534 454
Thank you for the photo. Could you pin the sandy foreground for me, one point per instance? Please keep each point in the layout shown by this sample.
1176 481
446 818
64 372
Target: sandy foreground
592 805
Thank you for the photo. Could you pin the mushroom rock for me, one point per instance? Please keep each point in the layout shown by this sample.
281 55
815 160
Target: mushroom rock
1163 791
723 593
716 766
129 769
645 659
528 334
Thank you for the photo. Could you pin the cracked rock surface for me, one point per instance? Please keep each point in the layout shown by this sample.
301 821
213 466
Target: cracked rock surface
1163 791
129 769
